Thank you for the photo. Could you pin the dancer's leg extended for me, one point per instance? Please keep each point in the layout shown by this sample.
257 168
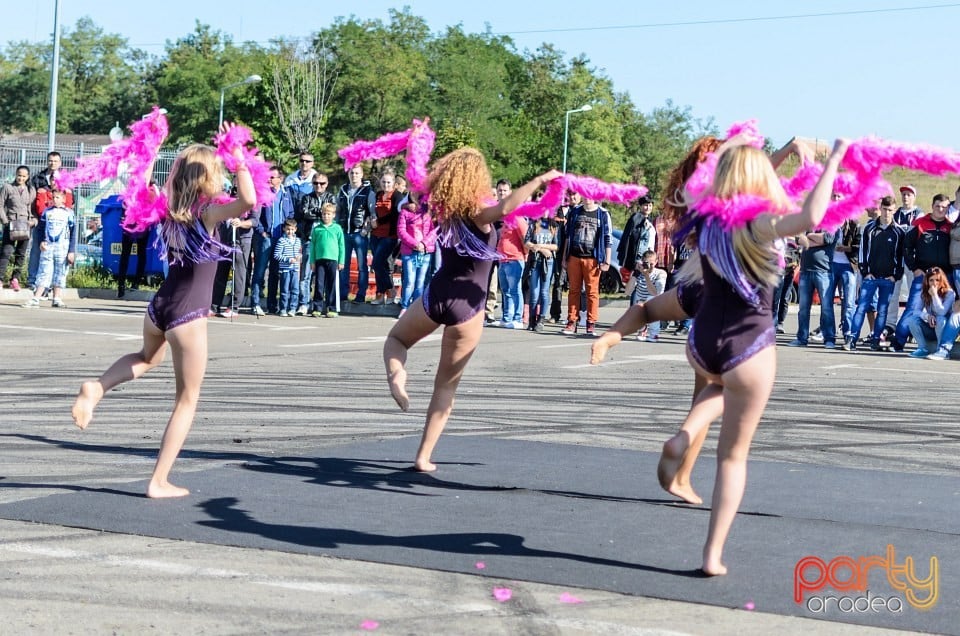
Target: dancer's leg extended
747 388
188 343
413 326
126 368
459 343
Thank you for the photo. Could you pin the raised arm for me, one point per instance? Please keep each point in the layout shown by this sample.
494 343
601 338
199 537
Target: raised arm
246 193
496 212
817 201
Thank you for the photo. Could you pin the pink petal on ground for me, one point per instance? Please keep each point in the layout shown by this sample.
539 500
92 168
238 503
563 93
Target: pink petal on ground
502 594
749 606
480 565
369 625
569 598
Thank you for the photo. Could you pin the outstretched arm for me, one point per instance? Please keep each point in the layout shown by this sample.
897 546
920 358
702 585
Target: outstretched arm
518 196
815 206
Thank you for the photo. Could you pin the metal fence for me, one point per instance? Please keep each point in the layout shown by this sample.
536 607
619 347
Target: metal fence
33 154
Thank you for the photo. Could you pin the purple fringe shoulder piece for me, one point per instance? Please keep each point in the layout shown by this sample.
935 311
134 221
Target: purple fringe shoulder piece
454 234
180 243
714 241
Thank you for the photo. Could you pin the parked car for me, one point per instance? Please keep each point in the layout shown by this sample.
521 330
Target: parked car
90 252
615 279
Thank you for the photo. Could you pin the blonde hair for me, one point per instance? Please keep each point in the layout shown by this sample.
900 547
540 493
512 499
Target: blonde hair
458 184
195 178
747 170
329 207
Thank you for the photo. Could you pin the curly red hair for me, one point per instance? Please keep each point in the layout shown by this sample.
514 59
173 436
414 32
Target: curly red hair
672 206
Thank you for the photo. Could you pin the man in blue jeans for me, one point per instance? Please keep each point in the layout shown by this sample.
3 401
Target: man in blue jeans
927 245
270 228
881 264
815 273
356 203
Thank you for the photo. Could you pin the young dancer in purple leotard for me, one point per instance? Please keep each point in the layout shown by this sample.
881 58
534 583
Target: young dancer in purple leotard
178 312
731 344
459 187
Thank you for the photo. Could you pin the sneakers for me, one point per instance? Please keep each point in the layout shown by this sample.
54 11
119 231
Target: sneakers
211 313
849 344
316 313
379 300
493 323
874 345
570 329
332 314
816 336
780 328
283 314
258 311
590 331
940 354
32 303
58 303
539 326
509 325
920 353
227 313
14 284
302 310
829 345
797 343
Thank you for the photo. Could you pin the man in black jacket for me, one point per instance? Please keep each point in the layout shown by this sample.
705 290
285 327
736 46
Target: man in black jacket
356 203
306 213
881 264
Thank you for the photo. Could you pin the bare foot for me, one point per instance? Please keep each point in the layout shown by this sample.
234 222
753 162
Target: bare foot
398 388
165 491
669 465
713 567
600 347
424 466
87 399
684 492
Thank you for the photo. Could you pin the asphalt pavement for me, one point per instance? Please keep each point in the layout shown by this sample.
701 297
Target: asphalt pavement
304 387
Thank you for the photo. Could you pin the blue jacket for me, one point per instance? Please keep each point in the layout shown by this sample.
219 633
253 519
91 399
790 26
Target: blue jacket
604 236
272 216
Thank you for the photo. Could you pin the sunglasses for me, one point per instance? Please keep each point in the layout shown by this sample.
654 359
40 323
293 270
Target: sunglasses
319 183
306 161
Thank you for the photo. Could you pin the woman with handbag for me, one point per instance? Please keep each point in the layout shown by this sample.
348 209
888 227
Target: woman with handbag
16 199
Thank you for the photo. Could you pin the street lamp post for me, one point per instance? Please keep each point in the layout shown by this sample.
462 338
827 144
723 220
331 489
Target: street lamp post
566 130
253 79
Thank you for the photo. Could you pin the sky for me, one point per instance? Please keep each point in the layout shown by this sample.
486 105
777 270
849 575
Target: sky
818 68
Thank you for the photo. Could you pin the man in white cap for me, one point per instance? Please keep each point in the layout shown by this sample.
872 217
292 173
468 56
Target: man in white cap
904 217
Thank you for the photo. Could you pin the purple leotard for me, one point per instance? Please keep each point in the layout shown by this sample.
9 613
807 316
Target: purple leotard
690 296
727 330
186 291
458 291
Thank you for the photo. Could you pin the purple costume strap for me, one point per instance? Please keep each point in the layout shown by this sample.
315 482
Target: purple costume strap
714 241
181 243
455 235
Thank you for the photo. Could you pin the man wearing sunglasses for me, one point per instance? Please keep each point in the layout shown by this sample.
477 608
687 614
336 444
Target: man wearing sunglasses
307 215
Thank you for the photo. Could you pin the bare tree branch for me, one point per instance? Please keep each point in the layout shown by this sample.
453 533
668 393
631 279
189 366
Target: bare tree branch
303 83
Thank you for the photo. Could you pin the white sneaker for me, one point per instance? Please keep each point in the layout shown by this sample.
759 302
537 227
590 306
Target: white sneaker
302 310
258 310
58 303
377 301
32 303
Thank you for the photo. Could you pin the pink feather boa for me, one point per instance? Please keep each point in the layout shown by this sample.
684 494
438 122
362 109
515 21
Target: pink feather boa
147 135
588 187
417 141
238 137
861 182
